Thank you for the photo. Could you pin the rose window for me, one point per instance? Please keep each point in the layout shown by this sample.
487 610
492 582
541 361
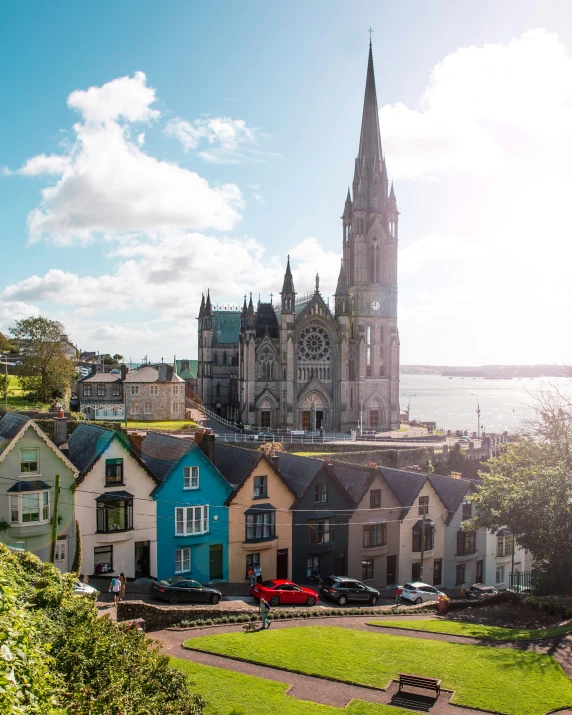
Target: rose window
314 344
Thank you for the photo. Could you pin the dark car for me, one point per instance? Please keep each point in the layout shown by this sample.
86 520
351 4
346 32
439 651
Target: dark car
176 590
478 591
342 589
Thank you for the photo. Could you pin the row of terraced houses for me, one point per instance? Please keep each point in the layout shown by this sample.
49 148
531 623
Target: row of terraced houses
162 506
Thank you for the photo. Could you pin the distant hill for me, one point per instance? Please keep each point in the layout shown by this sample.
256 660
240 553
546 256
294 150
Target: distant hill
491 371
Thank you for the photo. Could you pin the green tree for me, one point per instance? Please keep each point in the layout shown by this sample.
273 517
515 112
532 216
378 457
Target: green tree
45 372
4 383
78 556
117 357
528 489
5 344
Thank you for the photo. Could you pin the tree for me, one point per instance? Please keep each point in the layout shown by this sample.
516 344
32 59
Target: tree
4 386
5 344
117 357
528 489
45 373
78 556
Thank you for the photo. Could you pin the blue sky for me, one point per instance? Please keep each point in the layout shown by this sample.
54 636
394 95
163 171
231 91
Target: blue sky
230 141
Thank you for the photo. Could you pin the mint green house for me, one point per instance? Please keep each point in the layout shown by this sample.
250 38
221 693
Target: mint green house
29 462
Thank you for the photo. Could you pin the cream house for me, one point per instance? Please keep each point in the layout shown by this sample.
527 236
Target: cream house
113 504
260 520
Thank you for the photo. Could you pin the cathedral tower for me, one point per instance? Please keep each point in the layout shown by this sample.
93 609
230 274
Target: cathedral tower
370 233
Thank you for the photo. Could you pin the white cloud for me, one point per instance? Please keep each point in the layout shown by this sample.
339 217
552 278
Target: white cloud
109 186
415 256
126 98
475 93
12 311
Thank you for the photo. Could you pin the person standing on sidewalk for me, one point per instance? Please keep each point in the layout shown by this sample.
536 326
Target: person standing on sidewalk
264 608
123 581
258 573
115 588
251 576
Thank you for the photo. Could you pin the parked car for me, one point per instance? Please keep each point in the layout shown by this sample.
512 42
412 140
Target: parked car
84 589
342 589
175 591
478 591
464 440
265 436
419 592
115 371
282 591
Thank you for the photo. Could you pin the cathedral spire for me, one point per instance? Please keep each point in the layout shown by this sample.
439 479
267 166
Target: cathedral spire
288 294
348 205
370 140
202 308
342 288
208 306
288 285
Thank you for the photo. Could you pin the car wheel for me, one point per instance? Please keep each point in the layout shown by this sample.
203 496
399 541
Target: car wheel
342 600
417 601
274 601
174 598
215 598
310 601
373 600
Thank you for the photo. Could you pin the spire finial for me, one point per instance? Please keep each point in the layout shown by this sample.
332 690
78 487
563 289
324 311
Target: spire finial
370 34
317 283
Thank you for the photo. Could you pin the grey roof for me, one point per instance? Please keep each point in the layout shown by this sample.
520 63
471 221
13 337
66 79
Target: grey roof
113 496
266 321
102 377
226 327
405 485
257 508
148 373
87 443
355 478
451 491
33 486
10 426
298 472
161 453
235 463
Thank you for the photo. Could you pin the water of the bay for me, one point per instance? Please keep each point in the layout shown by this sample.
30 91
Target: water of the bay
452 402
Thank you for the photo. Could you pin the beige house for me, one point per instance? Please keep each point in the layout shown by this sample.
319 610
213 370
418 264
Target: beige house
260 520
154 393
374 527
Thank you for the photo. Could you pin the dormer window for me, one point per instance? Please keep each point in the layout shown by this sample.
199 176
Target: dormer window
467 509
423 505
113 472
29 461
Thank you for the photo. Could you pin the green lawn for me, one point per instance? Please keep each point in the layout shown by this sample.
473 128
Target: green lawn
17 399
474 630
159 425
310 454
224 689
499 679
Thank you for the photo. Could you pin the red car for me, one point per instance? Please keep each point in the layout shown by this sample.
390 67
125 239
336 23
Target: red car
280 591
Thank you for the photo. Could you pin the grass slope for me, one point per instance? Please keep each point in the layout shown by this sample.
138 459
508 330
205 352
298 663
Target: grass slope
165 424
17 399
224 689
474 630
498 679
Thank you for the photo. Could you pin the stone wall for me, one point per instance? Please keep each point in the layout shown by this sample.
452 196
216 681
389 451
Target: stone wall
391 458
159 617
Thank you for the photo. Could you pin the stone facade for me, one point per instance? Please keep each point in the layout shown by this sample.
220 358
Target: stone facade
154 393
298 365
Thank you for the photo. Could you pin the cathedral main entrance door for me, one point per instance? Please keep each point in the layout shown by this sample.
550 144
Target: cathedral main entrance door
306 421
265 419
374 419
319 419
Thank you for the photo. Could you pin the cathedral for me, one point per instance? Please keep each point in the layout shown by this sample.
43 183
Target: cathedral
298 365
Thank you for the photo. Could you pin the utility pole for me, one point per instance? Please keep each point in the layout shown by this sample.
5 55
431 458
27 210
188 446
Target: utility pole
422 544
474 394
55 520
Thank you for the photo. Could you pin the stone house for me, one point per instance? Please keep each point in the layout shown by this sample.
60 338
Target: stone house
113 504
260 520
100 395
154 394
29 463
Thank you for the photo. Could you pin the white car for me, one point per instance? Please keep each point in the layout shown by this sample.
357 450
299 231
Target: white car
418 592
84 589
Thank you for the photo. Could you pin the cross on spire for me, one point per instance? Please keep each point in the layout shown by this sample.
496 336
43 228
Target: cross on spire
370 34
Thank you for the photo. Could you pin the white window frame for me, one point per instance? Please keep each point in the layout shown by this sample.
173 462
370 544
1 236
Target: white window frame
260 490
43 508
154 390
28 461
148 407
191 478
61 548
501 570
182 559
134 408
134 389
192 520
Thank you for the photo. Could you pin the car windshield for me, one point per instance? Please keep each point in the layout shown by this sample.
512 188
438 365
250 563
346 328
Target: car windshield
267 584
409 587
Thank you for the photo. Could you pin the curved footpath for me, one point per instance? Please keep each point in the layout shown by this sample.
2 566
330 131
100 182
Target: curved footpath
328 692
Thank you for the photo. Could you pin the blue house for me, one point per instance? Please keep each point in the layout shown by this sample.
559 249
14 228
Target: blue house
192 519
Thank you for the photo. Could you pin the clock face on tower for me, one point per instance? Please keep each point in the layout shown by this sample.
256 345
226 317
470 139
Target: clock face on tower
375 305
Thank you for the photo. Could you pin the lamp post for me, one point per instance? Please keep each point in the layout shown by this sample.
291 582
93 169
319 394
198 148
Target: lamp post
474 394
413 394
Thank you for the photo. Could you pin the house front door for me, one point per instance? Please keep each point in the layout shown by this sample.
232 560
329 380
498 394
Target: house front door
62 554
282 563
215 557
391 570
340 564
142 559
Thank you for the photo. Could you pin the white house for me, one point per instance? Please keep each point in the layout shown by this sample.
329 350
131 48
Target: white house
113 504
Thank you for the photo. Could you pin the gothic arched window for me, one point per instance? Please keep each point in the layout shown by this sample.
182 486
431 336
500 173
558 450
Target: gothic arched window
215 358
224 358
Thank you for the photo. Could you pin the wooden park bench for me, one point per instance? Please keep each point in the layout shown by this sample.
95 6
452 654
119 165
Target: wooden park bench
416 681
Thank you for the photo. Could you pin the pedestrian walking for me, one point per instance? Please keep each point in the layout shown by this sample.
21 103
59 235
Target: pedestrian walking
123 580
251 575
115 588
264 608
257 573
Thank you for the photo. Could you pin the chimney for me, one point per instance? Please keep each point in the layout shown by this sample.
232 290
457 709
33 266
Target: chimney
136 442
94 369
205 441
456 475
162 372
60 431
124 372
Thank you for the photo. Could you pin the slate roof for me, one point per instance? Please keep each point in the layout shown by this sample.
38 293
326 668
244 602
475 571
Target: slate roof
235 463
102 377
226 327
86 444
405 485
113 496
34 486
355 478
10 426
266 320
298 472
451 491
161 453
151 374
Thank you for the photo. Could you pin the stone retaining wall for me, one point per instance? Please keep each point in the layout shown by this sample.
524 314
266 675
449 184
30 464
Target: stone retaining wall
158 617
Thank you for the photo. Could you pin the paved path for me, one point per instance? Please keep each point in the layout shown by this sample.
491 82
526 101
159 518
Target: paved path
318 690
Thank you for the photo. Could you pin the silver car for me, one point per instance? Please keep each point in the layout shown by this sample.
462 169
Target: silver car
419 592
84 589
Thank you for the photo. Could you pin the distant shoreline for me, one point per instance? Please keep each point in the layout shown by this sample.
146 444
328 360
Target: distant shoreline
495 372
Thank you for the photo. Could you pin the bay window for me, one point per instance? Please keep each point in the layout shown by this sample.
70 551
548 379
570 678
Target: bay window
260 525
114 512
466 542
191 520
30 508
418 535
374 535
321 531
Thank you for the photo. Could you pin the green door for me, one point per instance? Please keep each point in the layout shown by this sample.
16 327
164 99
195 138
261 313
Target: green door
215 562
